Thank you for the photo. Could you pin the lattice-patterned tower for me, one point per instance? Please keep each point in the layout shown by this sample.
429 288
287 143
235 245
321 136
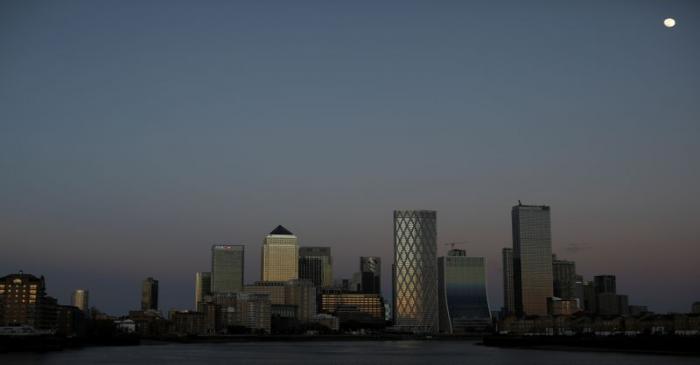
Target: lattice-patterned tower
415 271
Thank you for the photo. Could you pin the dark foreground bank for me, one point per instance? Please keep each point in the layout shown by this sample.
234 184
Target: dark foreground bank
672 345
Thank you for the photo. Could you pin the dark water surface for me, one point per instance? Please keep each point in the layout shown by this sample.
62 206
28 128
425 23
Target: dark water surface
400 352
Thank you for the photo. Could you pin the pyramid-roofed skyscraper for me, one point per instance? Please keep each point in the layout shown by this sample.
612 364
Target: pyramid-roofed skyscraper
280 256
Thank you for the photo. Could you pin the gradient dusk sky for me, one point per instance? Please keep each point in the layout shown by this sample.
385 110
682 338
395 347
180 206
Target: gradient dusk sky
136 134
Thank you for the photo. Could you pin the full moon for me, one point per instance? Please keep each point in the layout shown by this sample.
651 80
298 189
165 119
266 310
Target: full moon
669 22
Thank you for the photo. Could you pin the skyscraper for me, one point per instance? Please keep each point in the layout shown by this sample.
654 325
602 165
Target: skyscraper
316 264
532 258
415 271
371 271
608 302
280 256
508 282
464 305
202 287
80 299
227 268
605 284
149 294
564 278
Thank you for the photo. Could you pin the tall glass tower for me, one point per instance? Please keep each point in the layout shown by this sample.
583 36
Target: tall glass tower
371 271
149 294
316 264
202 287
280 256
227 268
415 271
464 305
564 278
80 299
532 258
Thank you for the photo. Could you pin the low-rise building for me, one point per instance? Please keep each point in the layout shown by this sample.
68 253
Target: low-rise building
326 320
562 307
369 303
190 323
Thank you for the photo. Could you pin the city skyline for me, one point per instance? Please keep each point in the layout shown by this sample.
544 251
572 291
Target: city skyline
133 136
498 288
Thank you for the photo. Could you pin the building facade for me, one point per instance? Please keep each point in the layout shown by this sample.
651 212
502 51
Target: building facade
302 294
274 289
464 305
80 299
254 311
149 294
605 284
23 301
532 259
564 278
562 307
227 267
369 303
280 256
316 264
611 304
508 282
202 287
415 271
298 295
371 271
589 297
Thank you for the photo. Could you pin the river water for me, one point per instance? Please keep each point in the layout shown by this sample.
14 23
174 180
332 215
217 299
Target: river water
310 353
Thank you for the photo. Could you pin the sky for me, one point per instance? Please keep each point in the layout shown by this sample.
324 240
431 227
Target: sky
134 135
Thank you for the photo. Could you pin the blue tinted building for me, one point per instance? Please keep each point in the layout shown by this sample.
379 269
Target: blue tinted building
464 305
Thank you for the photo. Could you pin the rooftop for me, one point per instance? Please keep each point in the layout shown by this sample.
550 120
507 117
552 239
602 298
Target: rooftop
281 231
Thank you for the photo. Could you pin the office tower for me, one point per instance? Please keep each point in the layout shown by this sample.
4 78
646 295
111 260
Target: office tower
23 301
149 294
608 302
371 271
302 294
611 304
508 284
227 263
356 281
297 297
605 284
280 256
202 287
695 308
273 289
589 297
564 278
80 299
532 259
221 311
253 311
464 305
414 271
316 264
